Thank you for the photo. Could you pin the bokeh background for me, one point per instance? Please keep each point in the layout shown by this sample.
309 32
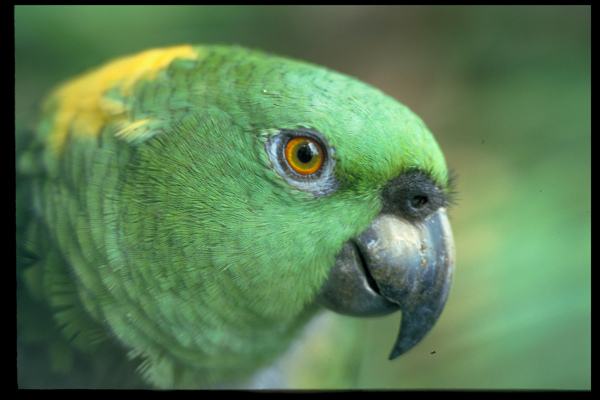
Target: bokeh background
507 93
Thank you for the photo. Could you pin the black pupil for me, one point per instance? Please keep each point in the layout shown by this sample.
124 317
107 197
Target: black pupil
305 153
418 201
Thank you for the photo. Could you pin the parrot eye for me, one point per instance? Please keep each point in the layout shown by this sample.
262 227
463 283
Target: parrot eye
304 155
304 159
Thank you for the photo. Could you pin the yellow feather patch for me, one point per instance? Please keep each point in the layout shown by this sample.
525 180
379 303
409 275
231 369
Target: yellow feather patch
133 131
80 106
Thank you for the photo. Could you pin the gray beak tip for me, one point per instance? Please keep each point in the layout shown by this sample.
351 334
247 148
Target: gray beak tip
396 352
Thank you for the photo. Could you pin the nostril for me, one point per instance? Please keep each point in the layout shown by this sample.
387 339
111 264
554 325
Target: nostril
418 201
412 196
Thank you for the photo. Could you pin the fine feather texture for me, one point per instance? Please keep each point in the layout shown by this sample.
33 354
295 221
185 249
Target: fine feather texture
161 224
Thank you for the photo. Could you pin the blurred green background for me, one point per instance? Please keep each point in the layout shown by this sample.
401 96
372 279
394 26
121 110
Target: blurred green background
507 93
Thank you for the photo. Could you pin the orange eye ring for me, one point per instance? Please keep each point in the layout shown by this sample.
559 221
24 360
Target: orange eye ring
304 155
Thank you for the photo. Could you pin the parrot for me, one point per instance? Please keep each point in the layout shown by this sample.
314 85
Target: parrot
183 214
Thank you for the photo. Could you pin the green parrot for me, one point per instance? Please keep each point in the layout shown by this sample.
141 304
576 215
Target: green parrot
183 213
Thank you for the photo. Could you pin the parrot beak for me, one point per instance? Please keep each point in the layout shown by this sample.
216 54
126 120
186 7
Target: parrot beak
395 265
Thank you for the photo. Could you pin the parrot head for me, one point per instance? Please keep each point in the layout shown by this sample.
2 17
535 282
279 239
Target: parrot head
229 192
